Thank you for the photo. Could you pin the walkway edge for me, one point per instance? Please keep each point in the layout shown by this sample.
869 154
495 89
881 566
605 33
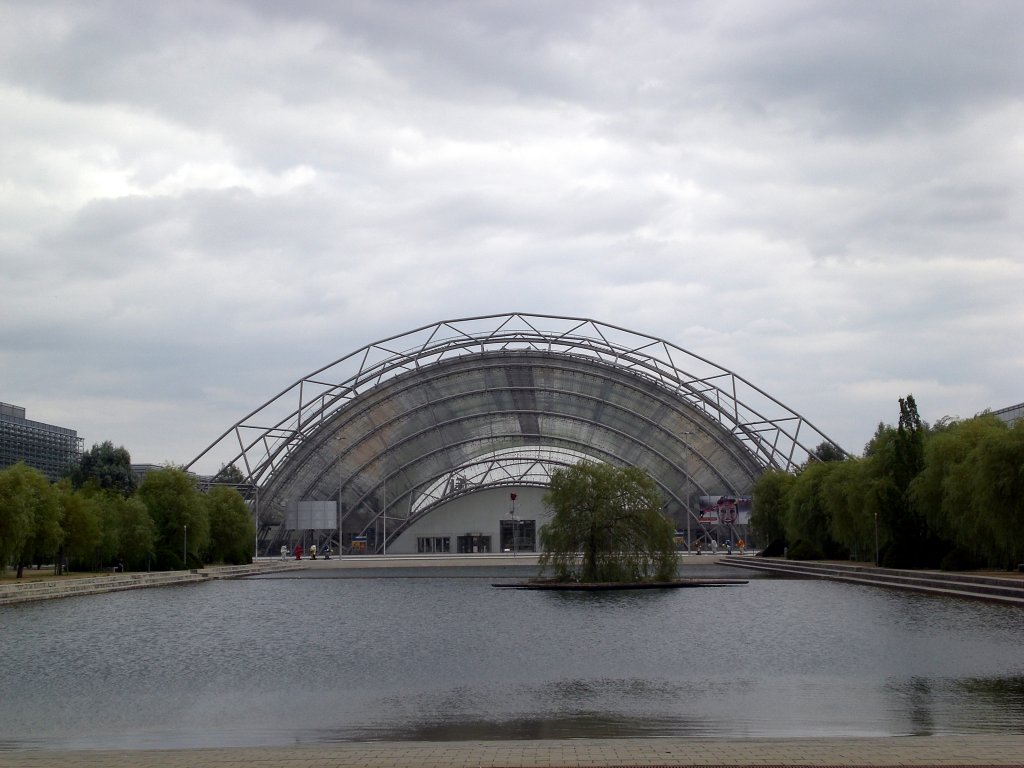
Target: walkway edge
995 588
945 750
12 593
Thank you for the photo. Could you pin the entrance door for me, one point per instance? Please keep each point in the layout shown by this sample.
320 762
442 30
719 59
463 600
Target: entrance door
474 543
520 536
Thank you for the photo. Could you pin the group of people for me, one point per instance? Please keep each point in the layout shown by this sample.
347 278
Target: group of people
741 545
298 552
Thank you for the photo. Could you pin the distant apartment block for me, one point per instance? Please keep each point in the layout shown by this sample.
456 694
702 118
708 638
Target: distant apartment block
50 449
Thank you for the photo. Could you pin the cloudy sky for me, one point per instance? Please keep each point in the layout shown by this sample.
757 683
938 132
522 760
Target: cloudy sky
201 202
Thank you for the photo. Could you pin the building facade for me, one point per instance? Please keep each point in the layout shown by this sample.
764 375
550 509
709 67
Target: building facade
1010 415
50 449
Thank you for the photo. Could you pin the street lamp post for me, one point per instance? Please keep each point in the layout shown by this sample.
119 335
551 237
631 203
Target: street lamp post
876 539
256 519
184 551
341 509
689 480
512 514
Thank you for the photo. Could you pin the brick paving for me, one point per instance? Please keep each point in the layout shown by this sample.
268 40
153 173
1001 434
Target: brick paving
972 750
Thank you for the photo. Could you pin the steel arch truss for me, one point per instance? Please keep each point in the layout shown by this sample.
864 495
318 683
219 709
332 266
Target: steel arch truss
387 428
514 467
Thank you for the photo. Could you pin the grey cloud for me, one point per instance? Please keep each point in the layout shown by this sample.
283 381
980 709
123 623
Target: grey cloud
206 200
874 66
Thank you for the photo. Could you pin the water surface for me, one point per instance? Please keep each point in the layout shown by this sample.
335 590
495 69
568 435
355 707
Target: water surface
440 654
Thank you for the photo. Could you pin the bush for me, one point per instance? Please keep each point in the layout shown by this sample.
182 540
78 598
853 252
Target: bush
805 550
168 560
776 549
958 559
835 551
194 561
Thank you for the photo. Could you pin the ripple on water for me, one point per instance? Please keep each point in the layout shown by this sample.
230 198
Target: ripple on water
274 661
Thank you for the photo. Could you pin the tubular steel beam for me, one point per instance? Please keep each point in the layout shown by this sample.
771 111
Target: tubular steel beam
448 395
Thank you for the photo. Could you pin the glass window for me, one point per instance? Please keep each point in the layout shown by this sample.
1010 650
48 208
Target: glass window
518 535
473 542
427 544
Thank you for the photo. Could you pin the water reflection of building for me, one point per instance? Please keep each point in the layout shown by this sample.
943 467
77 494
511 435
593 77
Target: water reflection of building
51 449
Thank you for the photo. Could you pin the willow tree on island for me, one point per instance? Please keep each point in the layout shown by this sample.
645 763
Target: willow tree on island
607 526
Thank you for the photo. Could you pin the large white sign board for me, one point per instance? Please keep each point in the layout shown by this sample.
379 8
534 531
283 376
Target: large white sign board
317 515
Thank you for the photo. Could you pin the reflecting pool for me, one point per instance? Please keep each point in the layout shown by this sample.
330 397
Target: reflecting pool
440 654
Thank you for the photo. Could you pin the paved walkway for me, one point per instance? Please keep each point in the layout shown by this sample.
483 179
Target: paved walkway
976 750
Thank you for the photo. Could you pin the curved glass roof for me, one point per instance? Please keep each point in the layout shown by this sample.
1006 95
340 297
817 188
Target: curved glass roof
387 428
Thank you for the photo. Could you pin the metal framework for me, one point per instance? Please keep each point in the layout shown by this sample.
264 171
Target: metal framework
512 466
387 429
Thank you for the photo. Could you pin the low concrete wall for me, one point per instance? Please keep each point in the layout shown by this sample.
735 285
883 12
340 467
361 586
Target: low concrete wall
493 559
1008 589
419 561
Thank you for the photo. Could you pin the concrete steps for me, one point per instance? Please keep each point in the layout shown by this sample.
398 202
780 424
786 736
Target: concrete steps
251 569
1001 589
70 586
67 586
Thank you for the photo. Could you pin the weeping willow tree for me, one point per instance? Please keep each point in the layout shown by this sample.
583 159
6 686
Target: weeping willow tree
607 526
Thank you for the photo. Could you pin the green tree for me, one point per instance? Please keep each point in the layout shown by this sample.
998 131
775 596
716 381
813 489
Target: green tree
607 526
127 531
996 470
232 531
768 516
943 492
882 498
137 534
229 474
106 467
82 524
970 491
843 496
827 451
29 516
180 515
897 457
16 513
808 517
909 444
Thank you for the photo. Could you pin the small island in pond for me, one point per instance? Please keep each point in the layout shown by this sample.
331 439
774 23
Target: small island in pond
568 586
608 533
